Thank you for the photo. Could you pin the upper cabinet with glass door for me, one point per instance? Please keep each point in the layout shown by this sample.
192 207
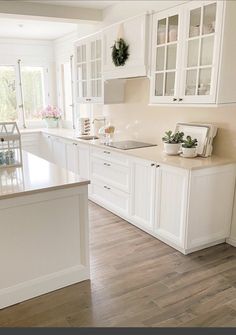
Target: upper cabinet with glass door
166 54
90 86
193 57
201 52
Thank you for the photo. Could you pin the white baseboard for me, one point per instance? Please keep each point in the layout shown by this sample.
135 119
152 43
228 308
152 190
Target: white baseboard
35 287
231 241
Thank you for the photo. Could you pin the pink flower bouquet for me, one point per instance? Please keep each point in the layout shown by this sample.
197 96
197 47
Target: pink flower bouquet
51 112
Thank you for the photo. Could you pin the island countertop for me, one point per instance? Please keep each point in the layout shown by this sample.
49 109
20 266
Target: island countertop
35 176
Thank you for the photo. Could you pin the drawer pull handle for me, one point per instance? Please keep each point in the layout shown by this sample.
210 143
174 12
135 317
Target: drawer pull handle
174 99
107 152
107 188
152 164
180 99
75 143
157 166
106 164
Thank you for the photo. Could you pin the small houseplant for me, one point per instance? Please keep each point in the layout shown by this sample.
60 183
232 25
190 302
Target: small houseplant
51 115
172 142
189 147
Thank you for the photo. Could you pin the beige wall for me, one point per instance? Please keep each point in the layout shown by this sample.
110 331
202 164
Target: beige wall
136 119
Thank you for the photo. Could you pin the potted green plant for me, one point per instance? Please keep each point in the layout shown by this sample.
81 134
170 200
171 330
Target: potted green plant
189 147
172 142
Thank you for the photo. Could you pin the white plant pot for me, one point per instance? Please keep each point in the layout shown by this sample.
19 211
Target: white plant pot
172 149
51 122
189 152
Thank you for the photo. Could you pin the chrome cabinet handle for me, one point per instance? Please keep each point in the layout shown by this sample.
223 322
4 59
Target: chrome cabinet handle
106 152
174 99
75 143
107 188
181 99
152 164
106 164
157 166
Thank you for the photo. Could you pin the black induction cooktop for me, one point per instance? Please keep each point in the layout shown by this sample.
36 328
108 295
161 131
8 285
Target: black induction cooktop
127 145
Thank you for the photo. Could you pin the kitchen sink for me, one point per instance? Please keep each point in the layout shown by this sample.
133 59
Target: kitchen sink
88 137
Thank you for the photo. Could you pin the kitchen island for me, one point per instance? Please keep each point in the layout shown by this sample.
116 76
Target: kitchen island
43 229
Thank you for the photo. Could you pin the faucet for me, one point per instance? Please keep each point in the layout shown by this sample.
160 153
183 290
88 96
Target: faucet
100 119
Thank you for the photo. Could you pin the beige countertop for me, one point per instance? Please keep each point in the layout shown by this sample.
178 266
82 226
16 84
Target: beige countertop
153 154
37 175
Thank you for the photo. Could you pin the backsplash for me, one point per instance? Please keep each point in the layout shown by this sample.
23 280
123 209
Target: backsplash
135 119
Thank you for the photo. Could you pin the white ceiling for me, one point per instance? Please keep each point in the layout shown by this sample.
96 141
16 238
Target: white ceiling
76 3
34 29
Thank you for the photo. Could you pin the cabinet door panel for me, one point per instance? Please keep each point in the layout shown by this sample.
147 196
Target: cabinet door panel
59 152
143 193
166 57
72 157
201 52
84 170
171 200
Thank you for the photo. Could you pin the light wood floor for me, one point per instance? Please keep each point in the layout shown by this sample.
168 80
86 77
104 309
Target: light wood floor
138 281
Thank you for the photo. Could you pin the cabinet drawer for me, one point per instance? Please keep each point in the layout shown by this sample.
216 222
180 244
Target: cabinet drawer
110 155
107 171
110 197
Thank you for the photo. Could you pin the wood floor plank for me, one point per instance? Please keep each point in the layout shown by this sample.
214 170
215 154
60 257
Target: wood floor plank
137 280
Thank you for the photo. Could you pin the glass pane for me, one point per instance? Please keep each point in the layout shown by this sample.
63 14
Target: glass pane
93 88
99 69
173 28
93 70
159 84
161 32
204 82
93 50
67 90
82 89
8 109
33 91
209 19
170 84
84 53
81 72
191 79
193 46
79 54
99 88
195 21
171 57
207 50
160 58
98 49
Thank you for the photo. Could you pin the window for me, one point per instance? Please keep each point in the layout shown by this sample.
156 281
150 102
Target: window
32 78
67 90
8 101
22 92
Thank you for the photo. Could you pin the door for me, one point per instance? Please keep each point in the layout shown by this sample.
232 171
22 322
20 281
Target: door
72 157
143 193
201 51
171 204
81 67
83 152
165 68
95 67
59 152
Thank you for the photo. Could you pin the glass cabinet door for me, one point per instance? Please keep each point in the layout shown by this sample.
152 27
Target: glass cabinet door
200 42
81 71
95 64
166 48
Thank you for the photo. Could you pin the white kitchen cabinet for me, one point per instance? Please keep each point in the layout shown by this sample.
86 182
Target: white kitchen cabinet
84 160
72 156
90 86
193 54
171 204
143 178
30 142
166 50
59 152
135 32
46 150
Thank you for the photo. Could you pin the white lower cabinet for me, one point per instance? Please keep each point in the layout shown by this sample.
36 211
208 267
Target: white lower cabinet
143 176
59 152
171 204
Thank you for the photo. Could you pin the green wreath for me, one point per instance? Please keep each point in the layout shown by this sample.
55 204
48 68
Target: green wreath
120 52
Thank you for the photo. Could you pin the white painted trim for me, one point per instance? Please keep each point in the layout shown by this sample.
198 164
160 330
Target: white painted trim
35 287
231 241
